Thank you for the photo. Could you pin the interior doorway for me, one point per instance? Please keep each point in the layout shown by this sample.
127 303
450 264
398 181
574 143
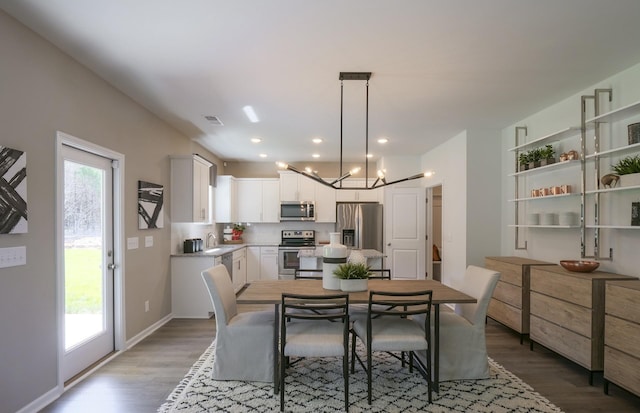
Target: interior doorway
434 252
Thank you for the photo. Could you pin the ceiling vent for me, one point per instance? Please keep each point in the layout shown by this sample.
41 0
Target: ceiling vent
214 120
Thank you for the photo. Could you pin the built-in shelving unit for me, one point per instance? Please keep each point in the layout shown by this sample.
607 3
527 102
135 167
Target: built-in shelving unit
605 127
610 126
529 179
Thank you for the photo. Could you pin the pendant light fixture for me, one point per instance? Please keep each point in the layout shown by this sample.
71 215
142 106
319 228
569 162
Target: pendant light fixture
380 181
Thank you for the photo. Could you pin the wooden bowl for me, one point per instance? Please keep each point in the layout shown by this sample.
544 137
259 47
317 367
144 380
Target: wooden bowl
579 266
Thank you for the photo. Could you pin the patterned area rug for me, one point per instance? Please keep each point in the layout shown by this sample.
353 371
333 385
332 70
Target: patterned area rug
315 385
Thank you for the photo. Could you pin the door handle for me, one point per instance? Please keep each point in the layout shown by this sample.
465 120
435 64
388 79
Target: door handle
112 266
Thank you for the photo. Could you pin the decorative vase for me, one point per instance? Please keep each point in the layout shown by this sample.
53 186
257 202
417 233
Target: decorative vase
354 284
333 255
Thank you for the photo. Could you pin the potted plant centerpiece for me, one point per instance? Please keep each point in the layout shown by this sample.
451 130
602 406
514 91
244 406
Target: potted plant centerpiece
629 170
353 276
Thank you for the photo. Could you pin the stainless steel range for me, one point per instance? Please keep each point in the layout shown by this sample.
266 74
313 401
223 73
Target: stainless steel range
291 243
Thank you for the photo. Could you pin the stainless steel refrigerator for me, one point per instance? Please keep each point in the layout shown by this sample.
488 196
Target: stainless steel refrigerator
360 225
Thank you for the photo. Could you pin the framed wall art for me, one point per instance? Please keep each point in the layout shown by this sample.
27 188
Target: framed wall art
13 191
150 205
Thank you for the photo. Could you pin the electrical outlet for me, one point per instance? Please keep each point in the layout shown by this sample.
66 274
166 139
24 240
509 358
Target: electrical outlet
146 306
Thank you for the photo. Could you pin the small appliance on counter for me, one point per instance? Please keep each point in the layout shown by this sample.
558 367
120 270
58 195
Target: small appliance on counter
192 245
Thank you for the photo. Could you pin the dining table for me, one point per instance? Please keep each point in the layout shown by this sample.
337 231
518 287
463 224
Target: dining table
270 292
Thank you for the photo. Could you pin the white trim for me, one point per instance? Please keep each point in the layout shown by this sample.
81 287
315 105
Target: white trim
118 244
42 401
148 331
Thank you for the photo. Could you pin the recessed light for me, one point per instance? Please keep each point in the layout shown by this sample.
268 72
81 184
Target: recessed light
263 155
256 140
316 155
317 140
383 140
251 114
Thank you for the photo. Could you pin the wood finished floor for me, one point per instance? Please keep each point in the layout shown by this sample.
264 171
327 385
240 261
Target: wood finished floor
139 380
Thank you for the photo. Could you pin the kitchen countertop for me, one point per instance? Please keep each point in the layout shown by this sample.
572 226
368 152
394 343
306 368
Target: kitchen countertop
367 253
222 249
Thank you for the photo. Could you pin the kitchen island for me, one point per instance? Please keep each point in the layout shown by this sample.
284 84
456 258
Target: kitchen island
311 259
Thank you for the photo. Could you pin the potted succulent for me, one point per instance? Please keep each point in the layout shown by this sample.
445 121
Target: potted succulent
547 155
534 158
629 170
353 276
523 160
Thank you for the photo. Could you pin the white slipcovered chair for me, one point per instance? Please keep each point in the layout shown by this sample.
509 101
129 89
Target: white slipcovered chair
463 349
244 341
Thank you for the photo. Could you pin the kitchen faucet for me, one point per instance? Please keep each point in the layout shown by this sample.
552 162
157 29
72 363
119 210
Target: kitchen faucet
210 236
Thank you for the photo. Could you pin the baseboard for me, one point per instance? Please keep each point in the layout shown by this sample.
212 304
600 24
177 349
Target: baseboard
53 394
42 401
147 331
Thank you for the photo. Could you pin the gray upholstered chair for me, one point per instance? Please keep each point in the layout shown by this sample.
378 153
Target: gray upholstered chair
463 349
314 326
244 341
389 327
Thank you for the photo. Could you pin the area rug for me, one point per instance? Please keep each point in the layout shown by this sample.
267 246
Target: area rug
315 385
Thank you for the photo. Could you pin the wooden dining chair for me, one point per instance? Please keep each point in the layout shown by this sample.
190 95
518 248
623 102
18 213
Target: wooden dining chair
389 327
244 341
314 326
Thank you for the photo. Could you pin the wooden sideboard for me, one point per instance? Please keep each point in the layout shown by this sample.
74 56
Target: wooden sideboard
567 313
510 302
622 335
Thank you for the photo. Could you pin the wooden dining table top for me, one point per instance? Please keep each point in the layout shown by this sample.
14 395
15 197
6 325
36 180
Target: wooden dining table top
270 291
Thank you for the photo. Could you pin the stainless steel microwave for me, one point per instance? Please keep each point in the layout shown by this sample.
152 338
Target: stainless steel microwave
297 211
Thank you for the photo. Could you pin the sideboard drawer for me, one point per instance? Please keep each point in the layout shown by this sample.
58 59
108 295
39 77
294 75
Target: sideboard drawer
571 316
573 346
572 289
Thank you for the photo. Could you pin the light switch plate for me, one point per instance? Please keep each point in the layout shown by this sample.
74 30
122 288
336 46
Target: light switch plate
132 243
148 241
13 256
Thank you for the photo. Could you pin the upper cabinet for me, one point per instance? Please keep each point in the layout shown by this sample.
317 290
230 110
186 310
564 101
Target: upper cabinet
325 203
257 200
296 187
226 209
358 195
190 189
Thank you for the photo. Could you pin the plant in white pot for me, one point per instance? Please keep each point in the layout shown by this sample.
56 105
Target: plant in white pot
353 276
629 170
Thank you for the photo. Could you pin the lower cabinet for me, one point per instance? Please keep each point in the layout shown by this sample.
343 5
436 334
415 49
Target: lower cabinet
510 302
622 334
239 271
189 296
567 313
262 263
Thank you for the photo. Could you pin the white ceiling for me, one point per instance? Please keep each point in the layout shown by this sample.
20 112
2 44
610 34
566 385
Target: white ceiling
439 67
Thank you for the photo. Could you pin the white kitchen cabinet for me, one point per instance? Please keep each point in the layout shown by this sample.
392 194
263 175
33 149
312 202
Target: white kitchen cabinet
189 296
253 264
226 209
190 189
325 203
268 263
296 187
358 195
239 271
262 263
257 200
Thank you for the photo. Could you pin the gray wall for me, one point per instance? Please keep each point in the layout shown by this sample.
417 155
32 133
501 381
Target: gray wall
44 91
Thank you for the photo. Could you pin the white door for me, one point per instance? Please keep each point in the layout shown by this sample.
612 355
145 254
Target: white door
87 259
405 232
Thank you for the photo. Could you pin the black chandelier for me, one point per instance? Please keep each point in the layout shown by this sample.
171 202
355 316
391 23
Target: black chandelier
380 180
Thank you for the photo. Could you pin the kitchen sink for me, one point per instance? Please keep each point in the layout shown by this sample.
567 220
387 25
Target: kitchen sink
218 249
